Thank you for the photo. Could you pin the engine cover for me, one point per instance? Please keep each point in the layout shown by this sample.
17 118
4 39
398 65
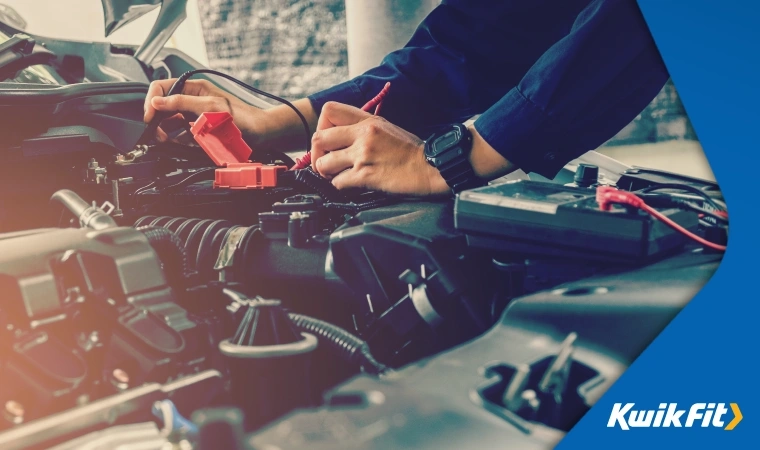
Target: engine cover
86 314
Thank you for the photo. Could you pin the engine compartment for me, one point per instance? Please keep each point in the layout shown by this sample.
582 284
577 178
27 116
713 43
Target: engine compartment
144 305
155 302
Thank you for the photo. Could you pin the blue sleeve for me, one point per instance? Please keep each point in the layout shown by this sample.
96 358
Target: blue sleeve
462 58
580 92
552 78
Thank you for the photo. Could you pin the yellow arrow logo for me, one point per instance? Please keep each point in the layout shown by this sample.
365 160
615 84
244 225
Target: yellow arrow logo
737 417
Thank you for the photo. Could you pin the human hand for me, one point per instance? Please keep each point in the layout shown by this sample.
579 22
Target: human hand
358 150
197 97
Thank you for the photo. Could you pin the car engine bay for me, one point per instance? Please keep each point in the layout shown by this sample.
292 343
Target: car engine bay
146 302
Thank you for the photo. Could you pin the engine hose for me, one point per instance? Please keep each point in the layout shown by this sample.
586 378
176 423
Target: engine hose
89 216
355 349
171 252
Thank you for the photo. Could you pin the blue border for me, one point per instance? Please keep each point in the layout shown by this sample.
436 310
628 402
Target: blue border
708 353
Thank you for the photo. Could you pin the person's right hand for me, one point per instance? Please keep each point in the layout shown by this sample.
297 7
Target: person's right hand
197 97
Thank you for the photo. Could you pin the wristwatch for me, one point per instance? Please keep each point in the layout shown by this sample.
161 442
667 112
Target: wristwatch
448 150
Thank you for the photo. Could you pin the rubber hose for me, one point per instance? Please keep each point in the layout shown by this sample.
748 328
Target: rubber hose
171 252
89 216
355 349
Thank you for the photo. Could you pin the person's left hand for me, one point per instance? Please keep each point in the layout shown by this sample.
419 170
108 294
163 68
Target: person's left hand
358 150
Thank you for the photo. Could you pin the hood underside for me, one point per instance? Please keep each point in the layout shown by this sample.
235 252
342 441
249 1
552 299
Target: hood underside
121 12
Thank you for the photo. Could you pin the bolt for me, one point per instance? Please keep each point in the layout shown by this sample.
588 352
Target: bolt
14 412
120 378
530 397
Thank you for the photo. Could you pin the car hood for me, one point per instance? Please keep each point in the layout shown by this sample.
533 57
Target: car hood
121 12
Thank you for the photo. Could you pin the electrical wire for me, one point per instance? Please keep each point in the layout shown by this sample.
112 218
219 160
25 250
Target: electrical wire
144 188
685 187
666 220
185 181
186 76
607 195
190 178
670 201
720 216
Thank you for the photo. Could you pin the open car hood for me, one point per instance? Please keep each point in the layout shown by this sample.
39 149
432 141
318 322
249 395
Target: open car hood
118 13
121 12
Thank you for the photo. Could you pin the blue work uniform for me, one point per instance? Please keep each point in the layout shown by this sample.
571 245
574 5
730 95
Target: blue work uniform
551 79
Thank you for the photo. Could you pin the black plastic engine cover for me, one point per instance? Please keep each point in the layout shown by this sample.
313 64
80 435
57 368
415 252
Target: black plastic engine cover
85 314
410 272
615 318
392 274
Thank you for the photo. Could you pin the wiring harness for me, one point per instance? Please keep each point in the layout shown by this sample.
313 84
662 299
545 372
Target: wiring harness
354 349
606 196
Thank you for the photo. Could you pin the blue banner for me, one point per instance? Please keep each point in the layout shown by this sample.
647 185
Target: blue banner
694 386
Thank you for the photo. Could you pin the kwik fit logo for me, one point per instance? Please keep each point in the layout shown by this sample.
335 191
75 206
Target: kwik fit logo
669 415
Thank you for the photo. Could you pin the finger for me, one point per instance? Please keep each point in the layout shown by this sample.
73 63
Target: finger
156 89
335 162
331 139
336 114
161 135
350 179
174 123
170 126
184 138
189 104
159 89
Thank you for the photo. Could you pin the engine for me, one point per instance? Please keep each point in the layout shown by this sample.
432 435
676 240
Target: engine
133 318
172 295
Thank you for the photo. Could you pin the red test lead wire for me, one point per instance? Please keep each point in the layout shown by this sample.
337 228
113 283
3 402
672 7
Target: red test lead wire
376 102
607 195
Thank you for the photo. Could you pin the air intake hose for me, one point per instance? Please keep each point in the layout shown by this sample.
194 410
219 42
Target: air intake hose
171 252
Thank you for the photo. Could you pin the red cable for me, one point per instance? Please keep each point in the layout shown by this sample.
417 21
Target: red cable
605 195
667 221
376 102
302 163
721 213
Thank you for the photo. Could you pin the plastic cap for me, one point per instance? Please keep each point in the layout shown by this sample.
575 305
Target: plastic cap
247 176
586 175
223 142
220 138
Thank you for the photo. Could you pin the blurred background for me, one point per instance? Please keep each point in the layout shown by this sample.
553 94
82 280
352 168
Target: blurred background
294 47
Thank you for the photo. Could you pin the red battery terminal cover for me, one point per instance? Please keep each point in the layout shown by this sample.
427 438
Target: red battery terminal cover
223 142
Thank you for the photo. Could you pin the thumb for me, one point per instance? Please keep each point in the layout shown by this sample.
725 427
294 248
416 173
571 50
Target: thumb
186 104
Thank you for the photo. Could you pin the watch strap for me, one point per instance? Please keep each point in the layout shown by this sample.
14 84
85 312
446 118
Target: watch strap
459 175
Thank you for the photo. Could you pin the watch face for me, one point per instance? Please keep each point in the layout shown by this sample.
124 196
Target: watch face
443 143
446 146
